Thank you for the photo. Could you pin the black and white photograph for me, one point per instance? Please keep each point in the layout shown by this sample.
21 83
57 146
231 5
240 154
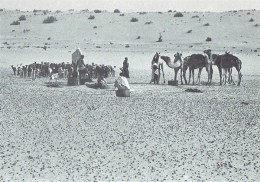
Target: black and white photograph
129 90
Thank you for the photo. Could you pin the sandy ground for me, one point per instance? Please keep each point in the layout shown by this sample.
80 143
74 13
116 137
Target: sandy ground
159 133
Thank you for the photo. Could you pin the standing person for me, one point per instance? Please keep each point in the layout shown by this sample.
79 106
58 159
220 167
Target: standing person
155 73
14 70
125 70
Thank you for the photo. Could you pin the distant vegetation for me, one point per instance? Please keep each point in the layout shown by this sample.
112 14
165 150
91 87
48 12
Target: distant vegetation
22 18
251 20
142 13
49 19
134 20
1 9
208 39
122 14
178 14
148 23
85 10
97 11
91 17
15 23
206 24
189 31
116 11
196 16
257 25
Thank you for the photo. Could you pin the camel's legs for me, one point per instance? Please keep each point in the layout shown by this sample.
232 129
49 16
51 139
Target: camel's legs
184 75
175 73
220 75
181 75
189 75
192 71
198 80
239 76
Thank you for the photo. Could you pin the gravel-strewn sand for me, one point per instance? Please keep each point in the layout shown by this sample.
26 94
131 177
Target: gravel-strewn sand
159 133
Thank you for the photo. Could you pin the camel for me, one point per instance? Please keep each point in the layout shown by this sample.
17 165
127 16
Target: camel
225 72
160 66
226 62
176 64
198 61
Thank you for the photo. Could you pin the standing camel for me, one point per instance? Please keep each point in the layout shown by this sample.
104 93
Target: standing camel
176 64
198 61
225 70
226 62
160 66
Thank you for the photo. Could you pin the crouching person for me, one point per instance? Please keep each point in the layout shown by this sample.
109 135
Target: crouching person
121 83
101 83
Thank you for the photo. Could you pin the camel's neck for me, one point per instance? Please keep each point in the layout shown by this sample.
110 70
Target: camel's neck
172 64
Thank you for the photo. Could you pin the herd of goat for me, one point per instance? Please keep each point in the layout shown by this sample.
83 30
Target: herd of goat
46 69
224 62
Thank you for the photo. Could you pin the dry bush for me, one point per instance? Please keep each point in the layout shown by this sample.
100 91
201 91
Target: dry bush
142 13
22 18
195 16
208 39
122 14
49 19
206 24
189 31
91 17
148 23
15 23
178 14
134 20
97 11
116 11
257 25
251 20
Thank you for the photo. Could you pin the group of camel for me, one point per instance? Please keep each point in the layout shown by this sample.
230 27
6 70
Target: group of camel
224 62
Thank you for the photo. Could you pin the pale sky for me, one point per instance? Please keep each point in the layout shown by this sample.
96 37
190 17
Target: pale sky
132 5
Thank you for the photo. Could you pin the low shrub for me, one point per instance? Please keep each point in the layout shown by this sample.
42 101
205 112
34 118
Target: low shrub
134 20
189 31
22 18
251 20
206 24
50 19
116 11
91 17
178 14
15 23
148 23
97 11
208 39
195 16
122 14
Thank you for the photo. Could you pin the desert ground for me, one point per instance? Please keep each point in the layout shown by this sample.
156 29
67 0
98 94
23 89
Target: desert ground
161 132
